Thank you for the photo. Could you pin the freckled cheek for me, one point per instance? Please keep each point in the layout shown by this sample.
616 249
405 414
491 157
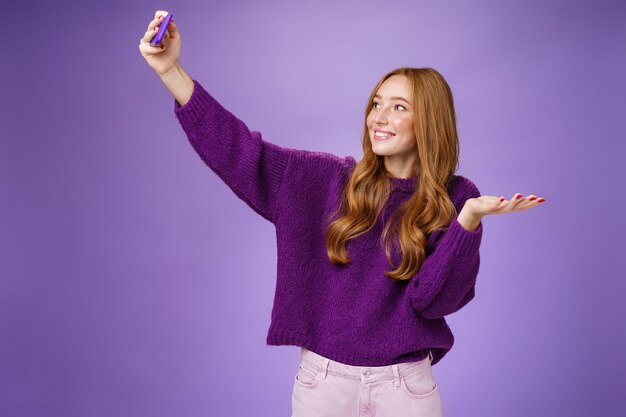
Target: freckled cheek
403 126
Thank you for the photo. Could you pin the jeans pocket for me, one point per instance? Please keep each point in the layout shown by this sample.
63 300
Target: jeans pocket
306 376
420 384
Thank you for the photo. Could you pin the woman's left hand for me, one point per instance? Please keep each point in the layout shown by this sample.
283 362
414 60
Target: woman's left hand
488 204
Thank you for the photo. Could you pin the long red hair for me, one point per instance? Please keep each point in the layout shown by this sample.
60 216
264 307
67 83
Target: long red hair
368 187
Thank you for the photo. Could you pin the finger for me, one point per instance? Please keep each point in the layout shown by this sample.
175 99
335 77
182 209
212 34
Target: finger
535 199
145 44
517 198
150 33
172 29
501 204
153 29
527 202
508 204
146 47
170 35
158 18
161 13
503 200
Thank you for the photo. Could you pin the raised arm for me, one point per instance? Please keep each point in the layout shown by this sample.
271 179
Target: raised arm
251 167
179 83
446 279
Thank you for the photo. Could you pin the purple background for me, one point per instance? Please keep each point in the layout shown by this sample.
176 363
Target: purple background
133 282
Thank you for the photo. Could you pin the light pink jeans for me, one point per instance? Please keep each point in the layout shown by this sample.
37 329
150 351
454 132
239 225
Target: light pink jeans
325 388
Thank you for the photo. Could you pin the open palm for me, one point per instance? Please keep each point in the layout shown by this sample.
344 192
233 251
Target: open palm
488 205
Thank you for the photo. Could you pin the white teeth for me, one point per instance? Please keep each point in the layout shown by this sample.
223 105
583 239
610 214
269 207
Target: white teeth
383 135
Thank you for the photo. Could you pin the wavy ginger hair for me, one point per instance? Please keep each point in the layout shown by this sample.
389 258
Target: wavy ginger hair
369 186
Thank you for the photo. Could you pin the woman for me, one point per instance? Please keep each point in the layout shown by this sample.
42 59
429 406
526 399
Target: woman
368 335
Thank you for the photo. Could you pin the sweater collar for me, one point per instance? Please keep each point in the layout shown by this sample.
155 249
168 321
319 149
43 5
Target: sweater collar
404 184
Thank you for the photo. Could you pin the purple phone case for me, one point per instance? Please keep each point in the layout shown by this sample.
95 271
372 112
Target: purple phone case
162 30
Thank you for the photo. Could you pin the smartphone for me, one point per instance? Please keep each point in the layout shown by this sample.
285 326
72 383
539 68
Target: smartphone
162 30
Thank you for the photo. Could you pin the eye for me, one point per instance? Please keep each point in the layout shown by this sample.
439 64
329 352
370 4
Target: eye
375 103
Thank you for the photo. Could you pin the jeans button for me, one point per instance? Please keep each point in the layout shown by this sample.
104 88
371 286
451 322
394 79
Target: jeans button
367 373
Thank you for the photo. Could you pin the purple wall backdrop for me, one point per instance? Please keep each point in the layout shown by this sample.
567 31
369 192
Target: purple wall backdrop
134 283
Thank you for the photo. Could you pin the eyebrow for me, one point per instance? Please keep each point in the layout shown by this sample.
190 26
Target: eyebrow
395 98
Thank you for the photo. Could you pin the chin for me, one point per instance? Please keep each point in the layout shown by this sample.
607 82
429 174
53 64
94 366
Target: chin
380 152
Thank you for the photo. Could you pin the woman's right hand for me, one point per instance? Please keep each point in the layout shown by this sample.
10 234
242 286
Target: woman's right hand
164 57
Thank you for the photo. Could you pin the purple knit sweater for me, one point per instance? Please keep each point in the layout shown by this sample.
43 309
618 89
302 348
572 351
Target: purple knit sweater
351 313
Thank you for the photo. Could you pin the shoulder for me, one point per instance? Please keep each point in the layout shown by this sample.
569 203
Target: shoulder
315 173
312 163
461 188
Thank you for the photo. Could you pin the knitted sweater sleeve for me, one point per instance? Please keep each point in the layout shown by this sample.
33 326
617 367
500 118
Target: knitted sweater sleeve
446 279
250 166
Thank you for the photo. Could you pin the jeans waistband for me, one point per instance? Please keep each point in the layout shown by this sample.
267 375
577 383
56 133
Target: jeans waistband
323 366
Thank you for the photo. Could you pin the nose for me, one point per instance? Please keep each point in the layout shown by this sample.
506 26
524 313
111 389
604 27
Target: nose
380 117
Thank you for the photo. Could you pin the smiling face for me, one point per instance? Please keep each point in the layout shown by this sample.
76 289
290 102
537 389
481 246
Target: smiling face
392 112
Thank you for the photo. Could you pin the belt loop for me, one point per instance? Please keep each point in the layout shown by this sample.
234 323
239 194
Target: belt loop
396 375
325 363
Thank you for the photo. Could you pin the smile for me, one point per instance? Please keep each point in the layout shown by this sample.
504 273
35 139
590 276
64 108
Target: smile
382 136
